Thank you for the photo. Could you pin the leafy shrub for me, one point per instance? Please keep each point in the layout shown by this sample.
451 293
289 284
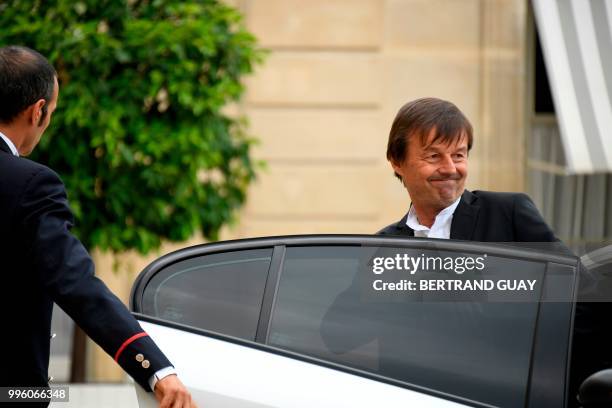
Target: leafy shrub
139 136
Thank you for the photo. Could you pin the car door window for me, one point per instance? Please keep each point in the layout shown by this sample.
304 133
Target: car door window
473 347
219 292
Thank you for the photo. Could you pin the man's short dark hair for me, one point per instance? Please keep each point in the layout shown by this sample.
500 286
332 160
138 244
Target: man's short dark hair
25 77
418 118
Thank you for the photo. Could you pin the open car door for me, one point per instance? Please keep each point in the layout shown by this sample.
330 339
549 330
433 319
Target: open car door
330 321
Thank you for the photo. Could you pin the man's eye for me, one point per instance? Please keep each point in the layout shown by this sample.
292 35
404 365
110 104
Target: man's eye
433 156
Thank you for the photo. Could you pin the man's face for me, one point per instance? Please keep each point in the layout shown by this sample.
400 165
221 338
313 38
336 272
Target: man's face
434 174
39 126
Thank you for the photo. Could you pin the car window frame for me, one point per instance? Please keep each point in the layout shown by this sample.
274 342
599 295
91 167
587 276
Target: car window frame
544 359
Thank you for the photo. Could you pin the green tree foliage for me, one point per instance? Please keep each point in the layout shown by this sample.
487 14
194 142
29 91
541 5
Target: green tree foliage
139 136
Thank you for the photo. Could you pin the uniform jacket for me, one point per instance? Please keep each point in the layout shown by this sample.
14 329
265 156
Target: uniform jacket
42 263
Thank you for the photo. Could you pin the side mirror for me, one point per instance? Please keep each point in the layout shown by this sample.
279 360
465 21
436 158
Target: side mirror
596 390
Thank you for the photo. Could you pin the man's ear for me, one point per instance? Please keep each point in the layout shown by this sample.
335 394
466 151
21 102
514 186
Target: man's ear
37 113
397 168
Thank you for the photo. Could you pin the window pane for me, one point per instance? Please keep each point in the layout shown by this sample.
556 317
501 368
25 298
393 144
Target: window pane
467 347
219 292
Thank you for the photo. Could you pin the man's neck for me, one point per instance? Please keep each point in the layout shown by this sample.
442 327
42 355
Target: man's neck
426 215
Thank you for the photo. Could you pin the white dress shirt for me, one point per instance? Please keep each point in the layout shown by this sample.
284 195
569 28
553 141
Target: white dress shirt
441 227
164 372
10 144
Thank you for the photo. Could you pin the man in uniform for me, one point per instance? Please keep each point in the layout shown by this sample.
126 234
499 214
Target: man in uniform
42 262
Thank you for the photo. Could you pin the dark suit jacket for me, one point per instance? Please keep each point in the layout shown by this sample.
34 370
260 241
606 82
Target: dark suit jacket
490 217
480 216
42 263
487 216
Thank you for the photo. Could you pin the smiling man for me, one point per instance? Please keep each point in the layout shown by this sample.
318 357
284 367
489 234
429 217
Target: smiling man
428 149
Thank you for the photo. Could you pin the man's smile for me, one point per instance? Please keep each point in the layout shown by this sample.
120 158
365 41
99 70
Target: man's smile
443 183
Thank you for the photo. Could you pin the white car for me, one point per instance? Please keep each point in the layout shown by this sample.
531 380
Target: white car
301 321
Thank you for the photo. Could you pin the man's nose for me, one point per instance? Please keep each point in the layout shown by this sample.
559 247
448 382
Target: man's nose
447 166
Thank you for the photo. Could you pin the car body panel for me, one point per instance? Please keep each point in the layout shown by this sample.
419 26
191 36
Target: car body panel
224 374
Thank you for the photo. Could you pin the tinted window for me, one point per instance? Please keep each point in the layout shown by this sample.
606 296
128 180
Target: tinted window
470 347
219 292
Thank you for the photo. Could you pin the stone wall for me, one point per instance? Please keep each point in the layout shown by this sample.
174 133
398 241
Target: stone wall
338 72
